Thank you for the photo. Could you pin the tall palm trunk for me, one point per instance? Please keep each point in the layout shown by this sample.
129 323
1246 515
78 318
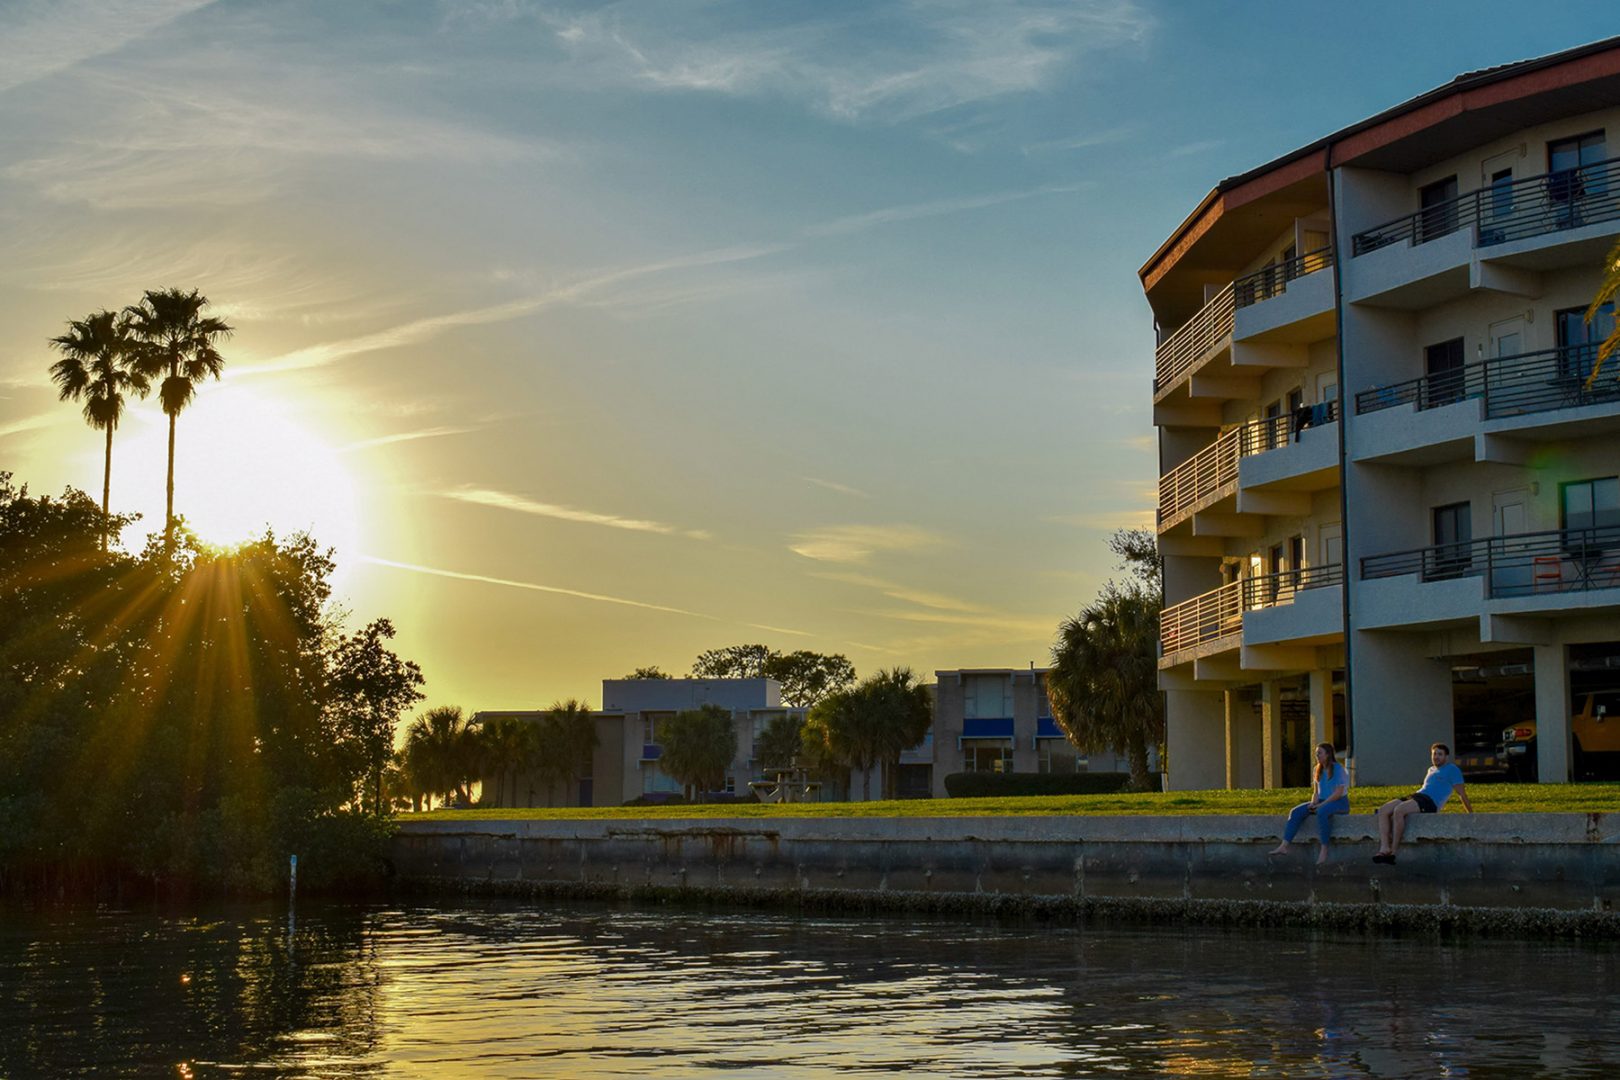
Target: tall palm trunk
168 505
106 489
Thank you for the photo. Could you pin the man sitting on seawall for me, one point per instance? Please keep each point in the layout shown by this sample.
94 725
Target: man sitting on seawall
1441 780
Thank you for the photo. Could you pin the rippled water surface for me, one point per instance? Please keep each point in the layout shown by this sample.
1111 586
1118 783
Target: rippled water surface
583 991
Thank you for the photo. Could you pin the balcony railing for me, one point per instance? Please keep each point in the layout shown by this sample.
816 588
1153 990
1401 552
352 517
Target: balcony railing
1509 385
1552 202
1216 465
1177 353
1219 612
1561 560
1273 280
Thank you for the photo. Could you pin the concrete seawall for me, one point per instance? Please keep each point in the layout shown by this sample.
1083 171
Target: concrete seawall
1482 870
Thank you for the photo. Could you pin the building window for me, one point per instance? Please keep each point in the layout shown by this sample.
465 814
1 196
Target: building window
1439 205
987 755
1058 756
1580 339
1453 532
1591 504
986 697
1443 364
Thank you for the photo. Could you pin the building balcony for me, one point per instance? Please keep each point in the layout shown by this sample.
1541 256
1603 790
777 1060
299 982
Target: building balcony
1499 237
1535 575
1469 412
1220 620
1203 337
1298 452
1287 303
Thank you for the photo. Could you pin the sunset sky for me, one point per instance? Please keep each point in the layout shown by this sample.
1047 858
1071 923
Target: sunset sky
595 335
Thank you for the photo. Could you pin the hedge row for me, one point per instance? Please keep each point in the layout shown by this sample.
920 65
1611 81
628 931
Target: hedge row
983 785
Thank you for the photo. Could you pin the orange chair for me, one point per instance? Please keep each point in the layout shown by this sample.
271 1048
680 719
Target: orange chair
1548 573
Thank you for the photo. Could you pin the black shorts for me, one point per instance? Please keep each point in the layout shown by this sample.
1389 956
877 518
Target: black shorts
1425 804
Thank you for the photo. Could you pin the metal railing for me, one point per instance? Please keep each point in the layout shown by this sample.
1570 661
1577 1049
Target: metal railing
1219 612
1216 465
1559 560
1177 353
1508 385
1269 281
1552 202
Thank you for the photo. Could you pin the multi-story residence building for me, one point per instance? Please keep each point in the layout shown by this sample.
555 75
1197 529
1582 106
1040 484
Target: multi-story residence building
1386 478
625 764
994 720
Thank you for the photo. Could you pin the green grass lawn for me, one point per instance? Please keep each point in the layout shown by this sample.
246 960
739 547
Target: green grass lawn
1487 798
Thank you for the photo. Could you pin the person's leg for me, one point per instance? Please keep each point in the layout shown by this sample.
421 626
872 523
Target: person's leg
1384 817
1324 824
1296 818
1405 809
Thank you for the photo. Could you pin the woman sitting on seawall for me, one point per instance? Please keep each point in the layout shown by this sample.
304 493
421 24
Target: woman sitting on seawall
1331 796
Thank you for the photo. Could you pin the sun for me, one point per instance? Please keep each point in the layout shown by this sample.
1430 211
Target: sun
243 463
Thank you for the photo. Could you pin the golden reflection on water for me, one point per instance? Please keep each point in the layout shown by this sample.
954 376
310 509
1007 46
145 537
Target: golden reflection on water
510 990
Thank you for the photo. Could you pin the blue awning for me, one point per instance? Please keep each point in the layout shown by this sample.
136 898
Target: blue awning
651 751
1046 728
987 729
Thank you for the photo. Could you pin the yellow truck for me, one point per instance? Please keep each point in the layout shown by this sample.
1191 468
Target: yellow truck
1594 740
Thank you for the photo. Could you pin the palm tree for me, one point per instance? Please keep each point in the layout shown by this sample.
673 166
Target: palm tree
441 751
508 745
699 745
1608 293
1103 685
97 366
565 739
177 343
871 724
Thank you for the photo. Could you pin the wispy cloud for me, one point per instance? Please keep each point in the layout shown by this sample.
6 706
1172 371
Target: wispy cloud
1084 141
405 436
886 62
895 591
858 543
842 489
29 423
1141 518
1016 624
1198 147
579 594
503 500
856 223
47 36
532 586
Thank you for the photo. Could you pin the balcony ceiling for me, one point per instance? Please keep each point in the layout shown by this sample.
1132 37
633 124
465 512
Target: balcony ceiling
1235 236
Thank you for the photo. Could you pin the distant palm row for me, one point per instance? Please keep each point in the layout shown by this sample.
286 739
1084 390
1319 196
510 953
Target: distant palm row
109 355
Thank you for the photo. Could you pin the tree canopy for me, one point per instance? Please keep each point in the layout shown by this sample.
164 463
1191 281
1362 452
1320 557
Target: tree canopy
698 747
168 719
872 723
804 676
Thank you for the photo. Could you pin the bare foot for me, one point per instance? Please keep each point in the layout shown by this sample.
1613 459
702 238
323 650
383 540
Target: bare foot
1322 858
1280 849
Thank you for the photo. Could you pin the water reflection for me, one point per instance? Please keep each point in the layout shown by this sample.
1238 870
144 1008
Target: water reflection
505 990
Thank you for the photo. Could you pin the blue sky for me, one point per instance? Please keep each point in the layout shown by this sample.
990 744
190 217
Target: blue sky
595 335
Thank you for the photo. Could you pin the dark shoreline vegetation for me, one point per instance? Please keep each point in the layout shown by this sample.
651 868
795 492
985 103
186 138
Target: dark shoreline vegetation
177 722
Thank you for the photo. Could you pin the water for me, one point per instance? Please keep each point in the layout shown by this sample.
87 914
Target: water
508 990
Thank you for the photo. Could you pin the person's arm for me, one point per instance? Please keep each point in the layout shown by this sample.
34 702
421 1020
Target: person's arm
1462 793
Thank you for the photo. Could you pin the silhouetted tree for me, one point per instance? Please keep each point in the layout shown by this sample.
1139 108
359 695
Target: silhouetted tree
653 672
178 344
872 723
97 366
1103 685
805 677
371 688
566 738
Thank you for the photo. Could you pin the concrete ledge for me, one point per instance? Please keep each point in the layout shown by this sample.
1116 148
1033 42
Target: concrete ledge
1562 862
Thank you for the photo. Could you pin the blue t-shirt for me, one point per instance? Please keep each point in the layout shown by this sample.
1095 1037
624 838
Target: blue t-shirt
1326 785
1439 782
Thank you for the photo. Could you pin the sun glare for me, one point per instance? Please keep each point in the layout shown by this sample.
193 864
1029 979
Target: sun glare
242 463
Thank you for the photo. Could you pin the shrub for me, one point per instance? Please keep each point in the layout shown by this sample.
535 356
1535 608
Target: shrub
983 785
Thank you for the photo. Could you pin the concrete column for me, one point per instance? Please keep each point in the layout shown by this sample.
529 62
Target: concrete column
1552 714
1321 699
1403 703
1234 721
1193 730
1270 734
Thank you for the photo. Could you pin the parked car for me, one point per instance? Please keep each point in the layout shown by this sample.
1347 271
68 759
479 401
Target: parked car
1594 740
